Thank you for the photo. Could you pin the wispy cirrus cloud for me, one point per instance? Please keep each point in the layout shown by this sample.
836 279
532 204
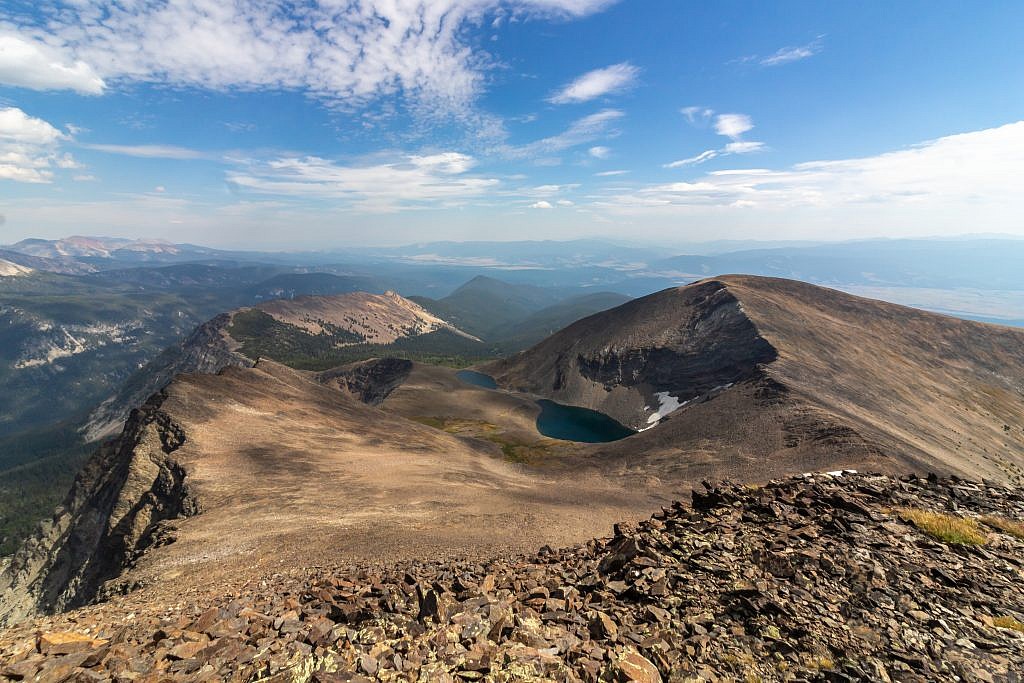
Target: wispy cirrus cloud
410 181
597 83
582 131
795 53
151 151
785 55
347 53
696 115
732 126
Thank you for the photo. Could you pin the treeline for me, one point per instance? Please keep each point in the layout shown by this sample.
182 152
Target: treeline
263 336
36 471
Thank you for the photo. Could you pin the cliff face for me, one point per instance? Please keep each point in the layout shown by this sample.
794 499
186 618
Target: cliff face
369 381
671 347
207 350
117 508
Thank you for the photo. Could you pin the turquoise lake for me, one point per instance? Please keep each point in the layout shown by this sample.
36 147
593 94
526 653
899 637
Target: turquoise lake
558 421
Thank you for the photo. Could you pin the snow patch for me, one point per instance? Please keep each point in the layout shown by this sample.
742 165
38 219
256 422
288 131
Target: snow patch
667 403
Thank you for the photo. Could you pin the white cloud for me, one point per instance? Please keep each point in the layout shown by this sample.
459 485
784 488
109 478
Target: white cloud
240 126
347 52
697 115
792 54
18 127
608 174
596 83
565 202
600 152
159 189
581 131
965 175
698 159
733 125
66 162
149 151
33 64
409 182
542 204
742 147
28 148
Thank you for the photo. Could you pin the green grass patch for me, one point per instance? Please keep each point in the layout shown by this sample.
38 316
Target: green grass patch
1008 622
944 527
1012 527
513 450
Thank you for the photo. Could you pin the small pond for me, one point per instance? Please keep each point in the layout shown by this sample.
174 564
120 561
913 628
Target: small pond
571 423
477 379
557 421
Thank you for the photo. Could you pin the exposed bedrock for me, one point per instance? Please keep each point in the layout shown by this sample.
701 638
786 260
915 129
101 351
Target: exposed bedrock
116 509
207 350
369 381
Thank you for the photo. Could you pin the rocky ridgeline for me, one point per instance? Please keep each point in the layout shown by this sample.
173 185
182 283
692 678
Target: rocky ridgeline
812 578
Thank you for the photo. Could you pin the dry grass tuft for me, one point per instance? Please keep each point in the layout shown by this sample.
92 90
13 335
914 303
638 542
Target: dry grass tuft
943 527
1007 526
1008 622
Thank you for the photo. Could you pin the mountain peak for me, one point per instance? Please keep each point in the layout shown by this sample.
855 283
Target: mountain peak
813 367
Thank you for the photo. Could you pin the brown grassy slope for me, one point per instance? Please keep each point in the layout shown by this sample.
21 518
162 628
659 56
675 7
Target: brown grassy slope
918 384
290 473
378 318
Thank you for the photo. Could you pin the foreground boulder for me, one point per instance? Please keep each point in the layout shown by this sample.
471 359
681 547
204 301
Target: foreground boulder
842 577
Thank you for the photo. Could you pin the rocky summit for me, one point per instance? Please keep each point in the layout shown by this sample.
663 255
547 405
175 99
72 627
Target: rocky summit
832 577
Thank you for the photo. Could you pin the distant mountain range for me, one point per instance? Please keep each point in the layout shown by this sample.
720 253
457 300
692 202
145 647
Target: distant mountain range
982 263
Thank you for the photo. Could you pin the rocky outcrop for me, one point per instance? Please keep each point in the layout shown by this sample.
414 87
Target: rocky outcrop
819 577
207 350
116 509
369 381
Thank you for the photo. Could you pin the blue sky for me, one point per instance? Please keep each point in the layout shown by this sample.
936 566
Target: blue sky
384 121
